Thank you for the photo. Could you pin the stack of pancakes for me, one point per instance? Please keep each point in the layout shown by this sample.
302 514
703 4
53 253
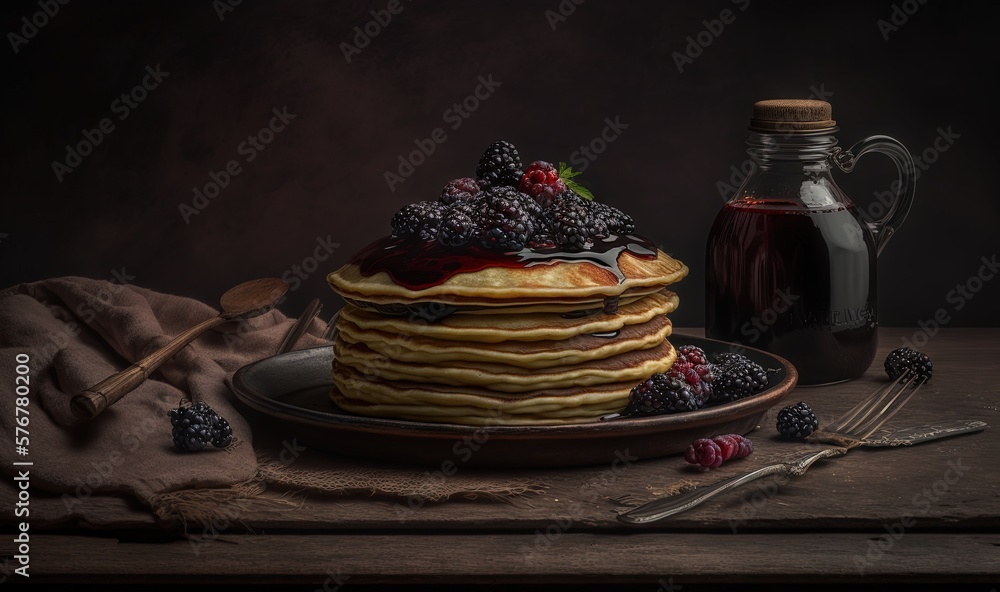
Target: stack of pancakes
556 343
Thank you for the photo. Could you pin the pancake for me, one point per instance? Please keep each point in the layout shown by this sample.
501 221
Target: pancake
392 306
546 280
511 327
468 405
472 315
634 366
527 354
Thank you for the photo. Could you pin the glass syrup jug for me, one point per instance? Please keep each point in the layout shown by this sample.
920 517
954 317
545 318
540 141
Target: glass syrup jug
791 261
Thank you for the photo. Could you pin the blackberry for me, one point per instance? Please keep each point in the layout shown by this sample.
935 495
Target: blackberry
567 197
573 227
458 225
420 219
737 379
661 394
712 452
459 190
222 431
198 425
457 228
796 421
500 165
726 358
905 360
505 219
542 240
617 221
541 181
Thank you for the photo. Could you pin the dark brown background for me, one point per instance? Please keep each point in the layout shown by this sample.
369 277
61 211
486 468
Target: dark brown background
323 176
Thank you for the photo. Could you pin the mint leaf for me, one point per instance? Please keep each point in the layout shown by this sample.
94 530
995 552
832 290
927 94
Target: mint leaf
566 173
579 189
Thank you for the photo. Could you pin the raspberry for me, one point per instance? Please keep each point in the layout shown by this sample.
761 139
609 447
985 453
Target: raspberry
541 181
661 394
500 165
420 219
693 354
198 425
737 379
905 360
505 219
464 189
796 421
712 452
699 377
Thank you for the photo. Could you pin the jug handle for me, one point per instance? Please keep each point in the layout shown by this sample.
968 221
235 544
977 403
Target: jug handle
884 227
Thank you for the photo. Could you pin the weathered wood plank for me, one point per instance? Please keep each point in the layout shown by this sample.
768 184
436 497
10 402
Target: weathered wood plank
943 485
508 558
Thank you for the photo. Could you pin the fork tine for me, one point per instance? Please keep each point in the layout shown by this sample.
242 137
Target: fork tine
890 409
862 408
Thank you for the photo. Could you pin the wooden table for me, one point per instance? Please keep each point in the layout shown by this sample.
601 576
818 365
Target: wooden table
923 514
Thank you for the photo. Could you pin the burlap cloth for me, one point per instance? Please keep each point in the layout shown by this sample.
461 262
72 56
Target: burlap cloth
77 331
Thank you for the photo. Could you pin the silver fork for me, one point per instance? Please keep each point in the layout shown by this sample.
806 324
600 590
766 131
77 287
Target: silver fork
847 432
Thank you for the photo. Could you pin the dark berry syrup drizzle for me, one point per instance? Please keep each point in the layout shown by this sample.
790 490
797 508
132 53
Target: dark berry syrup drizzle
422 265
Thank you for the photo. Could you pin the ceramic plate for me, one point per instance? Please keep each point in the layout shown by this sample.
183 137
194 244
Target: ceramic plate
293 389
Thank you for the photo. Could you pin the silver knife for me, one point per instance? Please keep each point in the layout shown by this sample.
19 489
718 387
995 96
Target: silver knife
675 504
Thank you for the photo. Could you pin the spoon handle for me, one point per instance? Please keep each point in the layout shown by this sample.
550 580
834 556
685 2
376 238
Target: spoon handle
91 402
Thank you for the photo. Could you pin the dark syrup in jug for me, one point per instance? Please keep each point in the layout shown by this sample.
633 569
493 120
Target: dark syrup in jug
796 282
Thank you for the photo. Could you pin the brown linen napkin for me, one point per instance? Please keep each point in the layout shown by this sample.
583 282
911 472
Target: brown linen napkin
77 331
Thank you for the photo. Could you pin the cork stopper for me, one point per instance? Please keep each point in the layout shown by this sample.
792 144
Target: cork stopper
792 116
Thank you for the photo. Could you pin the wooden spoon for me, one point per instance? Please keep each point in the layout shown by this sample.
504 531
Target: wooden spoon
246 300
